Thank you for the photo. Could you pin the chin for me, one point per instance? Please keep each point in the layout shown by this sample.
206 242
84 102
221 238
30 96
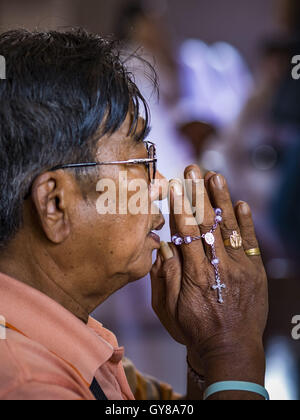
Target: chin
143 270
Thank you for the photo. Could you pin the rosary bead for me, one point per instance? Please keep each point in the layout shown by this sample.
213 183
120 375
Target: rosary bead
219 219
188 240
178 241
216 261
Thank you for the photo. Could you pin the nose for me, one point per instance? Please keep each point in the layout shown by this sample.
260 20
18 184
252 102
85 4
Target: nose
159 189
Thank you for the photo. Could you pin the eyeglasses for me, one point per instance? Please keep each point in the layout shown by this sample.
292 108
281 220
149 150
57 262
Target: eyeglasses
150 162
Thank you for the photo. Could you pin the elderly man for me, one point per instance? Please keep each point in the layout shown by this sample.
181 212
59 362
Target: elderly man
70 117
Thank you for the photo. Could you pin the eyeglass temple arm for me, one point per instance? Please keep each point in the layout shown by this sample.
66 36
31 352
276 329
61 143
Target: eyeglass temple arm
120 162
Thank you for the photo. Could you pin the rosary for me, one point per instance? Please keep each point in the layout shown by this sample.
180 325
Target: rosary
210 240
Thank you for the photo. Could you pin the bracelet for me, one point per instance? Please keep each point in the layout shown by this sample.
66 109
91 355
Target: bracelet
236 386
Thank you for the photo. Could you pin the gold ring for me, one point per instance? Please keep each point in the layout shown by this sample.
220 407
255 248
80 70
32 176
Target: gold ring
235 241
254 252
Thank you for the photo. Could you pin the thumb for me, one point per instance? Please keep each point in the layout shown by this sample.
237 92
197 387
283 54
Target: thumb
172 274
157 284
166 251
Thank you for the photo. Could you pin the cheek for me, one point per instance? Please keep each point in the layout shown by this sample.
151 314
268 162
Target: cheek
122 238
131 236
120 243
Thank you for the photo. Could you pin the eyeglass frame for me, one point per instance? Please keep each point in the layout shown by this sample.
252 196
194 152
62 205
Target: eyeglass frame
119 162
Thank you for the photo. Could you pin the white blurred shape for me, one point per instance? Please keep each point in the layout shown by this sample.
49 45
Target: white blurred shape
217 82
281 379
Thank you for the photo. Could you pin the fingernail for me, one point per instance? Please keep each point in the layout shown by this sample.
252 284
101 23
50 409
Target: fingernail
166 251
192 174
244 208
219 182
177 187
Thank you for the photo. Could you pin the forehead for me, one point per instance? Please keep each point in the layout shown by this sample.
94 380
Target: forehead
122 144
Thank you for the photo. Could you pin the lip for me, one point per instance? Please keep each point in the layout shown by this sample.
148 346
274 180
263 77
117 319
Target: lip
155 237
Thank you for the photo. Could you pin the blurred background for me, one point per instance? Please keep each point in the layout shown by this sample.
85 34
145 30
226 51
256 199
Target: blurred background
229 103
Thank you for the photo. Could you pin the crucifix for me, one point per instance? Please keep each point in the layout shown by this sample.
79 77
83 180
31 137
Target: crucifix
210 240
219 286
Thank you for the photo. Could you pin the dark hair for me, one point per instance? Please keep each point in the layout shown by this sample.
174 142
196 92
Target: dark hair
61 87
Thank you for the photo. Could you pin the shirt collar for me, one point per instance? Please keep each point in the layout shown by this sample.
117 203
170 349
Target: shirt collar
32 313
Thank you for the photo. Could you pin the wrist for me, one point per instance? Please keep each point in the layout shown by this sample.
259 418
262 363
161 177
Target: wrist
238 360
195 362
229 359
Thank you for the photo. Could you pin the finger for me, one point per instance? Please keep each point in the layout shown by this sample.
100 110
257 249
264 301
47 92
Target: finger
166 251
166 277
245 220
158 285
221 198
173 276
183 223
207 179
204 209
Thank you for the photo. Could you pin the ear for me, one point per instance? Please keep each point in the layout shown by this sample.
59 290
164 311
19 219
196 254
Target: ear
49 195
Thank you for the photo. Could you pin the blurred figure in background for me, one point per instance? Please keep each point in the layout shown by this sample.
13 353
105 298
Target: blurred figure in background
249 150
216 82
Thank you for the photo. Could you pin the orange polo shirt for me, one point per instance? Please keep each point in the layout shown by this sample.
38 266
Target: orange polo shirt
47 353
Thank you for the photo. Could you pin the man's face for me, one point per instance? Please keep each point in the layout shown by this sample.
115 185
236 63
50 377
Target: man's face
117 247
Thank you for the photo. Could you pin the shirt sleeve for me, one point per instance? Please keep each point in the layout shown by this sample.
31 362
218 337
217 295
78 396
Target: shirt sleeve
145 387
